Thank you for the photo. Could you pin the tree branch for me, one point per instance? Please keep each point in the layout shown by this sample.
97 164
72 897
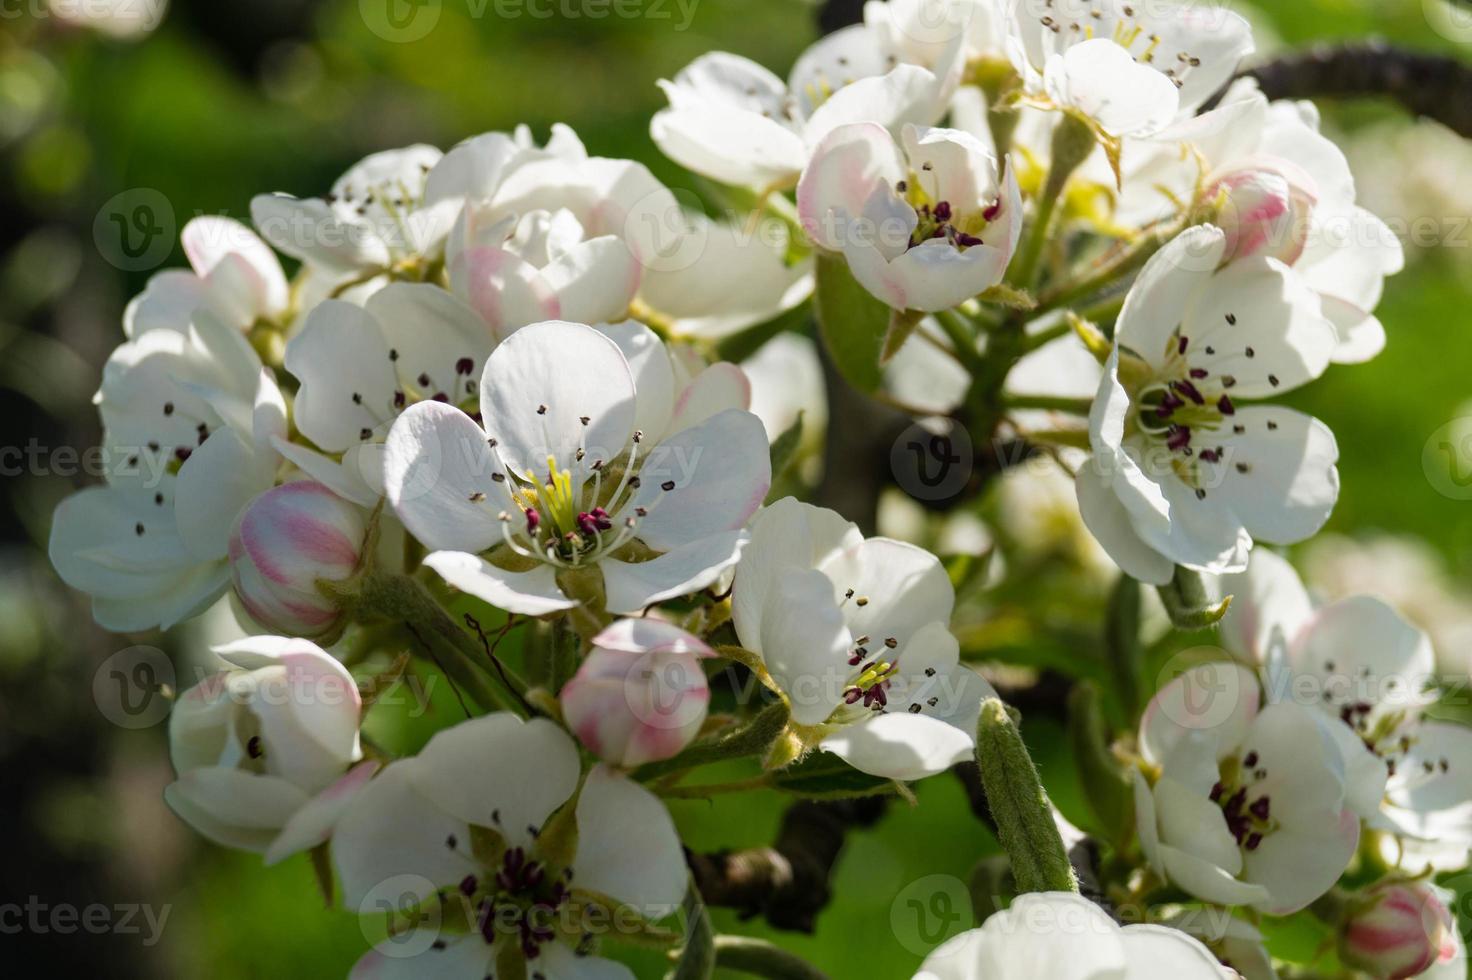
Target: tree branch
1425 84
787 883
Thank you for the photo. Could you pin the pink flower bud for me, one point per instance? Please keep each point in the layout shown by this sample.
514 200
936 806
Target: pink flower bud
1266 212
1398 930
640 696
286 540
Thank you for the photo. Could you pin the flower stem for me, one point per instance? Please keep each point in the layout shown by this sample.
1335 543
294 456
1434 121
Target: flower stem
1049 403
386 596
1073 141
762 959
963 337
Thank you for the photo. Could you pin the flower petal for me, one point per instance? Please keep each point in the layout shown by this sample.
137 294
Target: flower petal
705 480
539 385
436 461
633 586
500 772
628 847
533 593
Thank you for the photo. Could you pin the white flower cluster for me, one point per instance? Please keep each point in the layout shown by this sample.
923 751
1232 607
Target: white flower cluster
501 361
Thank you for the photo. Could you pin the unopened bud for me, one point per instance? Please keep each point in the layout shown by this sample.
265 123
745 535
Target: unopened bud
1264 212
286 540
1398 930
641 695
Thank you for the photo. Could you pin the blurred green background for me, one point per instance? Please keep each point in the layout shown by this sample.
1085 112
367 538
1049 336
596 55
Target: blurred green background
228 99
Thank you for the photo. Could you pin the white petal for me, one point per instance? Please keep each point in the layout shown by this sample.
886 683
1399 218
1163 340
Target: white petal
704 480
901 746
1259 324
233 807
309 230
904 588
559 962
505 290
500 772
436 460
1107 519
459 957
1219 699
393 833
906 94
1279 476
209 239
935 275
628 848
654 376
533 593
1298 866
1102 80
1207 881
340 352
788 534
313 823
539 385
1156 951
1269 606
1304 770
1158 301
433 334
633 586
1191 821
720 387
215 484
804 643
166 303
594 281
1364 637
1051 935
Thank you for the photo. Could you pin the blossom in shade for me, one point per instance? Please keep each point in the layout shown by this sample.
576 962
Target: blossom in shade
1250 804
265 750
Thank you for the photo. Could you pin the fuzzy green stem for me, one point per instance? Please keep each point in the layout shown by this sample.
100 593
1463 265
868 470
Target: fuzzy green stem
963 337
759 958
384 596
1020 805
1049 403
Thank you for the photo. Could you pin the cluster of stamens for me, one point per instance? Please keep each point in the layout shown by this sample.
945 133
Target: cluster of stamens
410 390
1251 822
571 517
1144 46
939 219
390 202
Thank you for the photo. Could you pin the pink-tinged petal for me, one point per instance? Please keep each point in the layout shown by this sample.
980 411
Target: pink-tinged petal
313 823
848 167
705 480
507 291
719 387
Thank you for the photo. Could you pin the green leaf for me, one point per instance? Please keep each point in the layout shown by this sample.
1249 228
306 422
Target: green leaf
852 323
1020 805
1106 787
824 775
785 447
697 959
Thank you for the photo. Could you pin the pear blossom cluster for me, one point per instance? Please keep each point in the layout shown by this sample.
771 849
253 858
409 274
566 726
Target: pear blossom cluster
470 412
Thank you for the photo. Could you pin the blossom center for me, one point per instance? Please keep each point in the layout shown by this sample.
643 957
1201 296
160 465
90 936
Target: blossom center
1249 814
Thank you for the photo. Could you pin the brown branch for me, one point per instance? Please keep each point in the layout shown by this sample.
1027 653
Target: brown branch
788 882
1425 84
